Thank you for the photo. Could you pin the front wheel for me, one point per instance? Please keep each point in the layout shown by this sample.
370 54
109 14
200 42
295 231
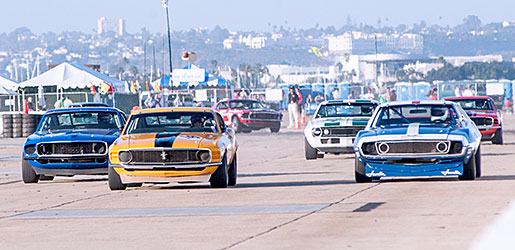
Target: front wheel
478 162
469 169
236 124
275 129
360 178
498 137
219 179
233 171
46 178
310 152
115 182
27 172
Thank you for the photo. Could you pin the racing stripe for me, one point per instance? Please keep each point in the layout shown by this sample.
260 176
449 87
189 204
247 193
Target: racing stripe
165 140
413 129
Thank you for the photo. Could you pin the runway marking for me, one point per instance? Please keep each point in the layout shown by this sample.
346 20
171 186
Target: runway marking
368 207
499 234
80 213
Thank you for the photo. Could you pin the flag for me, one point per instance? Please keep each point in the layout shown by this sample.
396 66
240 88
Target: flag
149 87
106 88
93 90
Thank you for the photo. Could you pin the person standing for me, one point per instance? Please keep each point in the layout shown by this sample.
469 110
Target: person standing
293 107
67 102
393 96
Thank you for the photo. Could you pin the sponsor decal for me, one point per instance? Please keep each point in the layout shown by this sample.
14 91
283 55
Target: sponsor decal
374 174
331 124
449 172
359 122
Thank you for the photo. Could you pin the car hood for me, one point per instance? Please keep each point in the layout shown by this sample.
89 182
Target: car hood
413 131
339 121
171 140
473 113
107 135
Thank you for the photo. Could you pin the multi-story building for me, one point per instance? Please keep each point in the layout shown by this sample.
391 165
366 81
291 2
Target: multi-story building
361 43
104 25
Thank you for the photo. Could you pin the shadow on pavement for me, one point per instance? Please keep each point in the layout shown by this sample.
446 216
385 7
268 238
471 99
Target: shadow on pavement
258 185
496 154
280 174
497 178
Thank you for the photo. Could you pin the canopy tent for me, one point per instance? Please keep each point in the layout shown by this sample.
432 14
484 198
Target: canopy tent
8 84
210 80
6 91
74 75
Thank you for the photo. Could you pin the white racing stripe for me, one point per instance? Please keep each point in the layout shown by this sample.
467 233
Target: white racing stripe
413 129
499 234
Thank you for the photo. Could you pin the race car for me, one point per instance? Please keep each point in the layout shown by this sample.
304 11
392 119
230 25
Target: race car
482 110
245 115
69 142
174 145
334 126
421 138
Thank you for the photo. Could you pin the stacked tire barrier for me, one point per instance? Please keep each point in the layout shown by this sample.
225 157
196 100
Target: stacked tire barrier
19 125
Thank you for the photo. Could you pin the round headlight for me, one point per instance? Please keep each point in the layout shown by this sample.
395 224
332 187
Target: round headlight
316 131
99 148
203 156
442 147
125 156
383 148
326 131
44 149
30 149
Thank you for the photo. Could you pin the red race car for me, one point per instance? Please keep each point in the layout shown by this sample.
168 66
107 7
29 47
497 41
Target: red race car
482 110
245 115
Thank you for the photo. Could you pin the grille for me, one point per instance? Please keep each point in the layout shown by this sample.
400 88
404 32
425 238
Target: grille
411 148
71 148
264 116
482 121
342 131
165 156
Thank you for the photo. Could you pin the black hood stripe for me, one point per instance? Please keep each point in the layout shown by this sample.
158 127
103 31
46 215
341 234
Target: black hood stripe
165 139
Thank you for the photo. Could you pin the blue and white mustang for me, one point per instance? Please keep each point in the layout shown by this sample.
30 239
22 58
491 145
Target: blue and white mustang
427 138
71 141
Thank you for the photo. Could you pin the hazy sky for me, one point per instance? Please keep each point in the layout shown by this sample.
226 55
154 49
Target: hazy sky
81 15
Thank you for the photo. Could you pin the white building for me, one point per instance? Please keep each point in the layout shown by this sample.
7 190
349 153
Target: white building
104 25
253 42
361 43
457 61
228 43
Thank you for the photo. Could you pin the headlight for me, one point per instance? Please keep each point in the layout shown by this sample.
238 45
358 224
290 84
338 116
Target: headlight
203 156
245 116
316 132
369 148
442 147
30 149
44 149
125 156
383 147
99 148
326 131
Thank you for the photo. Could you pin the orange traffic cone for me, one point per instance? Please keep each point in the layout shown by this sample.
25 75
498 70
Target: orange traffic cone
25 107
297 125
303 117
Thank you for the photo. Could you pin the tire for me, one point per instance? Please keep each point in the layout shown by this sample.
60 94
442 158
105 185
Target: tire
497 139
469 169
219 179
309 152
359 177
236 124
478 162
18 120
27 172
233 171
46 178
134 184
17 125
320 156
275 129
246 131
115 183
17 134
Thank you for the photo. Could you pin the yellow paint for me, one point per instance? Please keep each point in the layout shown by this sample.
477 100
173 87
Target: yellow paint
168 173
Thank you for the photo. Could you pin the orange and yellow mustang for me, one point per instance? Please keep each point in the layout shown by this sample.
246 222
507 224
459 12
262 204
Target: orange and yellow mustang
173 145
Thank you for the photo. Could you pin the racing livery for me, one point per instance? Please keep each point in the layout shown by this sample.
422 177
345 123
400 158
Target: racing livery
71 141
174 145
245 115
335 125
427 138
482 110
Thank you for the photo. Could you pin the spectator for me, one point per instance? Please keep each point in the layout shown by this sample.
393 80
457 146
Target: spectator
293 107
59 103
67 102
319 98
457 91
335 94
369 95
468 91
30 104
177 102
351 95
393 96
388 94
151 102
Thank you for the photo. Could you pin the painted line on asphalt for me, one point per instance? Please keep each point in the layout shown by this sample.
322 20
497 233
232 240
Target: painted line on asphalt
10 172
499 234
81 213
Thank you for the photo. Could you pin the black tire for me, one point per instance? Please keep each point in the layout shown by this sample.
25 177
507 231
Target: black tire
497 139
309 152
320 156
236 124
8 130
478 162
246 131
46 178
275 129
27 172
134 184
233 171
17 134
469 169
115 183
357 176
220 178
17 125
18 120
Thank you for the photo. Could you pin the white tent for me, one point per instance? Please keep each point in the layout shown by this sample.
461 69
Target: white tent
8 84
74 75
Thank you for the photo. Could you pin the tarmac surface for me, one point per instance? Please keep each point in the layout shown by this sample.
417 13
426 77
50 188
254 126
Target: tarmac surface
281 201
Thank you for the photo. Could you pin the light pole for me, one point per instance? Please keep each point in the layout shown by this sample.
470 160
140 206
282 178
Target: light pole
164 3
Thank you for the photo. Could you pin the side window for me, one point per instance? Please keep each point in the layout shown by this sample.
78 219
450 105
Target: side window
221 121
222 105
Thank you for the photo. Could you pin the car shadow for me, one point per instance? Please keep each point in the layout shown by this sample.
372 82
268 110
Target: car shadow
496 154
497 178
258 184
421 179
282 174
99 179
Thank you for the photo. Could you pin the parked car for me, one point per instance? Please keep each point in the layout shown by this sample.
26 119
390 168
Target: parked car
178 145
482 110
426 138
335 125
245 115
69 142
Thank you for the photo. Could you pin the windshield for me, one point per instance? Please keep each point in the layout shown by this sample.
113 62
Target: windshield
81 120
172 122
404 115
345 109
475 104
252 105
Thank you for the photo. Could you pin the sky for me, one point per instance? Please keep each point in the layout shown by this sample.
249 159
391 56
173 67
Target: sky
242 15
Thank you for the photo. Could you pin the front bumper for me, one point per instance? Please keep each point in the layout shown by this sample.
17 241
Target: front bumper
332 144
383 168
165 173
69 166
259 124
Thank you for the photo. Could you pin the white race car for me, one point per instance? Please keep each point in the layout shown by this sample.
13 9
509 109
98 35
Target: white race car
335 125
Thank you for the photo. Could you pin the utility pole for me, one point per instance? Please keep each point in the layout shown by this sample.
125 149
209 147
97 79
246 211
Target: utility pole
164 3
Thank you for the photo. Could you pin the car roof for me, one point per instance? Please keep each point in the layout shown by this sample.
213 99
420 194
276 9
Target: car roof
350 101
78 109
422 102
466 97
174 109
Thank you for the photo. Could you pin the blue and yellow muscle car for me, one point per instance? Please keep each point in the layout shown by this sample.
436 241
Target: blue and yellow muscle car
69 142
428 138
174 145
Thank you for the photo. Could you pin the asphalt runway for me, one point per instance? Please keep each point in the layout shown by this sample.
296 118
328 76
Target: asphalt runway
281 202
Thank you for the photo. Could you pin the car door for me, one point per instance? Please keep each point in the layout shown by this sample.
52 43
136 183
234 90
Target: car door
223 109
